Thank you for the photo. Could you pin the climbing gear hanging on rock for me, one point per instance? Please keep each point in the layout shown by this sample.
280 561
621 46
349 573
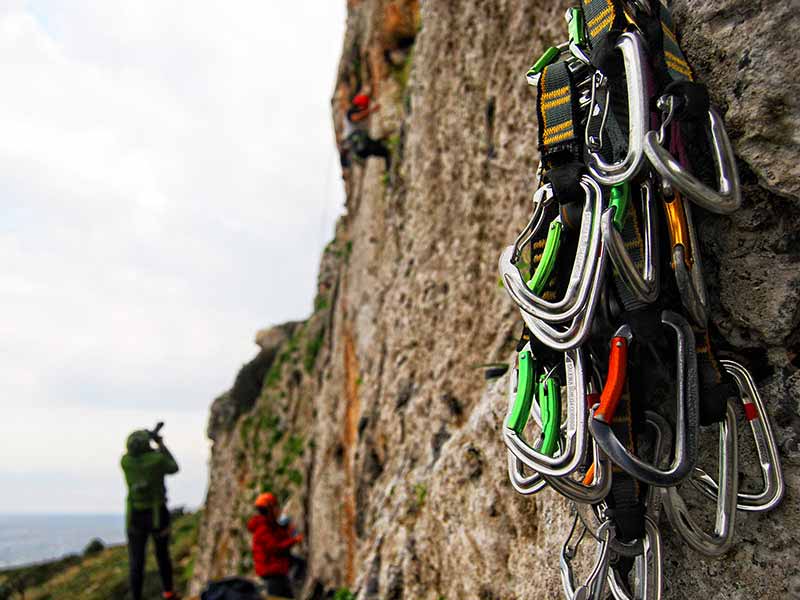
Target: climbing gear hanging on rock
624 133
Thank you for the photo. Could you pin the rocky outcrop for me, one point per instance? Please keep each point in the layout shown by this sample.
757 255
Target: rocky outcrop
374 421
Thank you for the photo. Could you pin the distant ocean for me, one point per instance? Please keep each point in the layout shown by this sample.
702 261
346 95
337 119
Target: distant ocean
26 539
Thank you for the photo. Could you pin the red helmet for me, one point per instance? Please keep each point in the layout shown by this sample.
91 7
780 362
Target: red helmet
361 101
266 499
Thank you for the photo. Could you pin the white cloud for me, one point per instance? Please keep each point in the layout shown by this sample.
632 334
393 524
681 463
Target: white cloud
164 169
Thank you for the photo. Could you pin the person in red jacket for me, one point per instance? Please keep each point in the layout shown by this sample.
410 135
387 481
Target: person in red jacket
271 545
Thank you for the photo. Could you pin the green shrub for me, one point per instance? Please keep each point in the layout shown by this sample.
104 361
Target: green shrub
93 547
313 347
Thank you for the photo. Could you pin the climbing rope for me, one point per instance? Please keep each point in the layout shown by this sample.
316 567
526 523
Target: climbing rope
615 371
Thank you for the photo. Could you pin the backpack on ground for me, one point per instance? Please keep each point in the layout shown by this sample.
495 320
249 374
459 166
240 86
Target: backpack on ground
231 588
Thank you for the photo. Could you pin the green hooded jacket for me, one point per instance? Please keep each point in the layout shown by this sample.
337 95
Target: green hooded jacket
144 470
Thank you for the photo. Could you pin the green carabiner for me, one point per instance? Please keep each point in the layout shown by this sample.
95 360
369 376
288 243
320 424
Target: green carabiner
549 397
619 199
577 33
545 267
524 397
545 59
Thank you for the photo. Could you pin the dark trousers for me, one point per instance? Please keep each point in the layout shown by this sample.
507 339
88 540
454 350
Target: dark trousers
140 527
278 585
375 148
364 146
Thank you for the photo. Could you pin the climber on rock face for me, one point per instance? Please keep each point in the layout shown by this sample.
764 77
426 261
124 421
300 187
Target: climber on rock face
356 135
272 542
146 511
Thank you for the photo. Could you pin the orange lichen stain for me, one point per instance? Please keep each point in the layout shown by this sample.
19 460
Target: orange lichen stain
352 414
401 21
220 557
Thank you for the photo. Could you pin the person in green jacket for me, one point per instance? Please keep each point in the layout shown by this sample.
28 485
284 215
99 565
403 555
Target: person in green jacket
146 511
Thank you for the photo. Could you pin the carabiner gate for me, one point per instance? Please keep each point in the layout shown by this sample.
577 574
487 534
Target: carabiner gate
632 48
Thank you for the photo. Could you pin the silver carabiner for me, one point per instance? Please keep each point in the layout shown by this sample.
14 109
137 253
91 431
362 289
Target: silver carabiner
632 48
766 448
574 448
645 285
522 483
578 288
728 197
647 580
595 585
686 419
719 542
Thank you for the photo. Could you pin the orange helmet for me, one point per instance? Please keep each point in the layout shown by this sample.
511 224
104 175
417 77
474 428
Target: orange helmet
266 499
361 101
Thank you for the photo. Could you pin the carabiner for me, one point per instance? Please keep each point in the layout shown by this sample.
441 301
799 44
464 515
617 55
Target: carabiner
645 285
766 448
686 261
724 200
548 402
630 44
687 418
646 581
586 258
595 586
719 542
573 449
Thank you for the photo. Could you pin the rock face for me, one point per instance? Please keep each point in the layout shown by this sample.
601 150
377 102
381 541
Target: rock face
374 422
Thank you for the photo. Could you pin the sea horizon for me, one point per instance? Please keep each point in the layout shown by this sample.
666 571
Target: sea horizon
28 538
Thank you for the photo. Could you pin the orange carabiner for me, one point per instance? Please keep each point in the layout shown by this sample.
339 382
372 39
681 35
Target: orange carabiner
615 382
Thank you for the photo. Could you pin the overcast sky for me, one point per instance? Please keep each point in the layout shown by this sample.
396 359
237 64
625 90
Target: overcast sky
168 178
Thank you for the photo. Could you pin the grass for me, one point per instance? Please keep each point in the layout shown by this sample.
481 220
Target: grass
420 493
313 346
103 575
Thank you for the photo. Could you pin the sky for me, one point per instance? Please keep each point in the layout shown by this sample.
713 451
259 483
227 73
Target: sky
168 178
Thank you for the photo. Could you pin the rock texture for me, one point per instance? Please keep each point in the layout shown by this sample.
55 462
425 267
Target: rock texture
373 419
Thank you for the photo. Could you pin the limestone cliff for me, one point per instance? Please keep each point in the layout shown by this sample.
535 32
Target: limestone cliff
372 418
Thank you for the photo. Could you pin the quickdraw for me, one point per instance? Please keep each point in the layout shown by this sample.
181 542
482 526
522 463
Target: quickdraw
620 119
